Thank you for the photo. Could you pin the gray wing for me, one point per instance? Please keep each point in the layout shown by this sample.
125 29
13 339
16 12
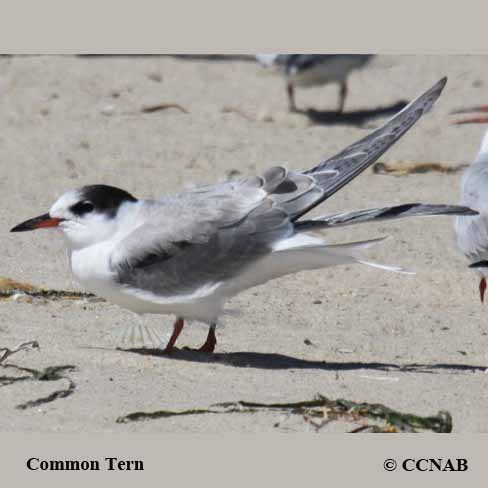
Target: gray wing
199 238
353 160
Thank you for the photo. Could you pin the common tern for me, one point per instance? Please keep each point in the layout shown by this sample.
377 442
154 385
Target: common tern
187 253
314 69
472 232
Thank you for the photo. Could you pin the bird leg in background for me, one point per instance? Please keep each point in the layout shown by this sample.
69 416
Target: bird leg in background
482 289
291 97
342 99
211 341
177 328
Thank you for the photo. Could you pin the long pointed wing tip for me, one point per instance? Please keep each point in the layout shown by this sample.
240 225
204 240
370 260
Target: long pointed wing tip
435 91
429 97
479 265
440 85
442 82
466 211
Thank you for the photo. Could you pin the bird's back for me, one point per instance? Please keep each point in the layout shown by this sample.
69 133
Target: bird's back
314 69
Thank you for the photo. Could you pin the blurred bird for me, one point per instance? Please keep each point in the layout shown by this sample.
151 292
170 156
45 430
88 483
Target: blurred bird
472 231
314 69
188 253
481 119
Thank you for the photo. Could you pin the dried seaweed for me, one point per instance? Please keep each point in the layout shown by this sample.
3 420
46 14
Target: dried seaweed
24 346
149 109
63 295
51 397
51 373
320 407
263 117
415 168
10 289
238 111
8 380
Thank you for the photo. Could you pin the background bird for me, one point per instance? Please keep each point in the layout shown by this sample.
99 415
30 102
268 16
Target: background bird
305 70
479 119
188 253
472 231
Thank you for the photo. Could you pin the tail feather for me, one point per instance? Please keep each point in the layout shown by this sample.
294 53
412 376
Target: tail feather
302 252
380 214
479 265
317 254
353 249
387 267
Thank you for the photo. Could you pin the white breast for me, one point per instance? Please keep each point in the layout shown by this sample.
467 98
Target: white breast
91 267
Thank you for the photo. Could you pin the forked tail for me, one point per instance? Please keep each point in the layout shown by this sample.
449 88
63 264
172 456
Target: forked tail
303 251
379 214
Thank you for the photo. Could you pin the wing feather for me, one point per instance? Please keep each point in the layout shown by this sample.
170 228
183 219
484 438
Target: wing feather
353 160
203 237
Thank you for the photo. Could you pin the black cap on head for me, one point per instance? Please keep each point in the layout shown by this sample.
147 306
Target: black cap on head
105 199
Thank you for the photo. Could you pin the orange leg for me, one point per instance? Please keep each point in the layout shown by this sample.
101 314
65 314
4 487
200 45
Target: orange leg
177 328
482 289
211 341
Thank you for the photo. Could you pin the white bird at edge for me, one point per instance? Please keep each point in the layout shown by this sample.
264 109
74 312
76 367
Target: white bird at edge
472 231
188 253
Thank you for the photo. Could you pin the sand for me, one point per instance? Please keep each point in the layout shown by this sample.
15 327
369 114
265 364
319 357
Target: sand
414 343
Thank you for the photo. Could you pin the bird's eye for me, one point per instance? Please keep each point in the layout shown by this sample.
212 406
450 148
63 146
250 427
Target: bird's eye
82 208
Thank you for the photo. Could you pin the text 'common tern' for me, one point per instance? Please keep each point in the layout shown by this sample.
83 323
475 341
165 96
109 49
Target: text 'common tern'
187 253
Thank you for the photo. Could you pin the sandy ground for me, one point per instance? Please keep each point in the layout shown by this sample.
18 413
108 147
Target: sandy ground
415 343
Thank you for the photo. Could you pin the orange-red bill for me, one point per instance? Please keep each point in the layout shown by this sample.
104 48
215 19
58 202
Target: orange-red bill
42 222
473 120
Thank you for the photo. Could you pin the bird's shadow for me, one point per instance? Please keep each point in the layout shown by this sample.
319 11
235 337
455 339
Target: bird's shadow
356 118
282 362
